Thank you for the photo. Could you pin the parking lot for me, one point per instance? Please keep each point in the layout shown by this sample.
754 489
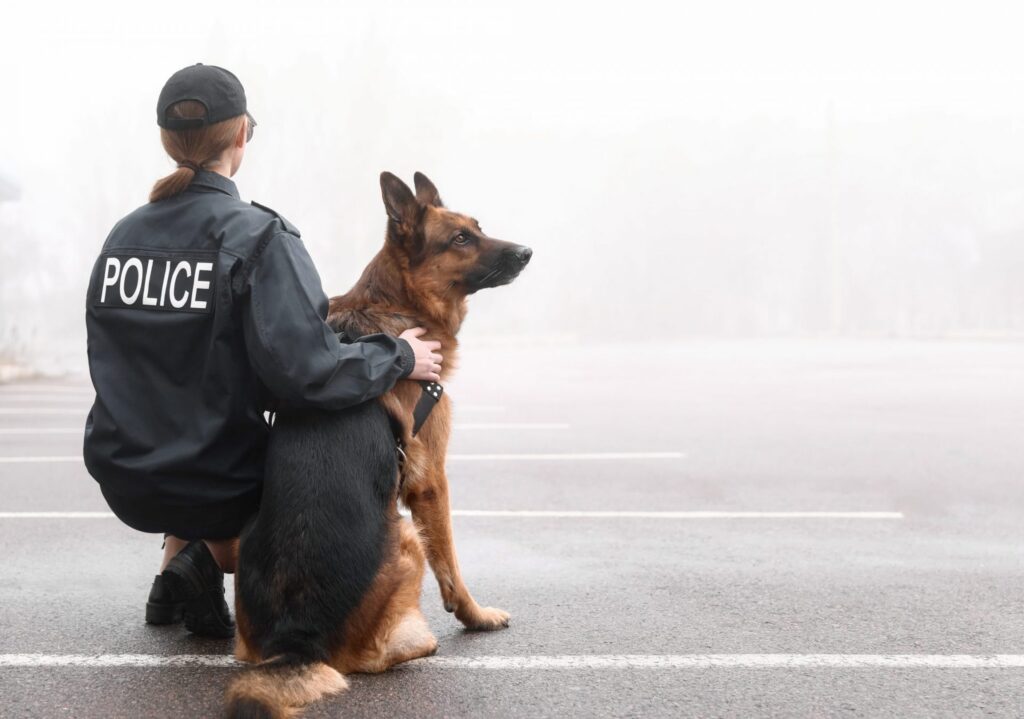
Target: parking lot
712 529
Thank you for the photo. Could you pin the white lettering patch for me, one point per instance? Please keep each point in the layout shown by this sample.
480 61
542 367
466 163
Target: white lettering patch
176 283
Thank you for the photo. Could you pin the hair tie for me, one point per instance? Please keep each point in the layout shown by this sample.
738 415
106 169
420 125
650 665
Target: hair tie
190 165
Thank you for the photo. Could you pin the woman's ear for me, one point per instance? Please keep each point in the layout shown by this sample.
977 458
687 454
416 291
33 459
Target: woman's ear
243 132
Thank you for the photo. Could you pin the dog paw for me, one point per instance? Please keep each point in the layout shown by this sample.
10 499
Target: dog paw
485 619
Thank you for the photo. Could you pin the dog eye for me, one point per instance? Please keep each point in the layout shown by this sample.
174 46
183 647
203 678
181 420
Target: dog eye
460 239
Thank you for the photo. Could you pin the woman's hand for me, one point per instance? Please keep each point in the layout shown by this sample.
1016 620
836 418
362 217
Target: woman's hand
428 355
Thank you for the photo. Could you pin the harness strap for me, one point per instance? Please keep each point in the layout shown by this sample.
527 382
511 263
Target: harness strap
432 392
431 395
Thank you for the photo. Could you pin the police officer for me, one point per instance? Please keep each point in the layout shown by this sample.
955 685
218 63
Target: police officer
202 310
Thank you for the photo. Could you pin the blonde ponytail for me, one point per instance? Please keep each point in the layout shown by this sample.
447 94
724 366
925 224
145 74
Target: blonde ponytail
192 149
174 184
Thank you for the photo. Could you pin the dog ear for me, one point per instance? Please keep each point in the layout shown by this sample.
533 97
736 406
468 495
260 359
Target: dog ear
399 201
425 190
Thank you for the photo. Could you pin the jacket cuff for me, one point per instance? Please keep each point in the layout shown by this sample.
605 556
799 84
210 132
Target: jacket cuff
408 358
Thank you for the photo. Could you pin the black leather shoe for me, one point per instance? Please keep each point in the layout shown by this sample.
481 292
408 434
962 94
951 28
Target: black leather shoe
193 578
160 608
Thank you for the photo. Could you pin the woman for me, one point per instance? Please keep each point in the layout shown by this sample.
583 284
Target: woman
202 311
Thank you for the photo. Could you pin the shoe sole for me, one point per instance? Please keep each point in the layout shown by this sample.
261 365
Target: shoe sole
163 613
185 584
203 619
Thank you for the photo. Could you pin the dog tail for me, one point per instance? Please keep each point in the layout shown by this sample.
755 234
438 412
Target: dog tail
279 687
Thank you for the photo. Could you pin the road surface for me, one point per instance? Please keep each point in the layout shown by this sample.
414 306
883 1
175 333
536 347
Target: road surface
707 529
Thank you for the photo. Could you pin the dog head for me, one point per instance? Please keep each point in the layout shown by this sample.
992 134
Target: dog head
445 253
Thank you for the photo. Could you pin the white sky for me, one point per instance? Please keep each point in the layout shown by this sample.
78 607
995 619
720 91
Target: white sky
598 133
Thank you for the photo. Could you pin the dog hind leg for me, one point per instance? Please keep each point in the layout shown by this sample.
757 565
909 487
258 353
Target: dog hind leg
399 632
244 651
410 639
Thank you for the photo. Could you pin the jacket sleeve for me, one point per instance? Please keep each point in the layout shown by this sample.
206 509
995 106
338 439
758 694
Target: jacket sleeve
291 347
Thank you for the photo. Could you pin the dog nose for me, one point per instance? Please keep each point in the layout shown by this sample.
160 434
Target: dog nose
523 254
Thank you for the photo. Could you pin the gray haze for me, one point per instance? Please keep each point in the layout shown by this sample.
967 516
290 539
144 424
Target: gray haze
680 169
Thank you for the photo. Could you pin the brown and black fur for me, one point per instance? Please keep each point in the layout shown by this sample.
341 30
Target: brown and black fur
329 574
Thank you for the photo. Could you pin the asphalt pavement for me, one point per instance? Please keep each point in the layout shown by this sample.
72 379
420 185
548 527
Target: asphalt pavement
706 529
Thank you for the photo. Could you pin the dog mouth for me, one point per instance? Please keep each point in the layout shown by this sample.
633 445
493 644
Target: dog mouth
496 277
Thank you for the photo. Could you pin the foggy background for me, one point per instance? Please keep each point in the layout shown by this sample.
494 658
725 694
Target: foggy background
680 170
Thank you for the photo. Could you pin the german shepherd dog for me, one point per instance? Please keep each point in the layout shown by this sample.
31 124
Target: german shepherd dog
329 574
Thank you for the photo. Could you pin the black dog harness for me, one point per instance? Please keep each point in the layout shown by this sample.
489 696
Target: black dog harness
432 392
431 395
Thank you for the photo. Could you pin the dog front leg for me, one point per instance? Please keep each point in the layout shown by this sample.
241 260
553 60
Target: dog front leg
430 509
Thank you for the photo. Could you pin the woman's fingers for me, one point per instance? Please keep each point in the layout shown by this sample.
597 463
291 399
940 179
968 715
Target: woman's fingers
428 355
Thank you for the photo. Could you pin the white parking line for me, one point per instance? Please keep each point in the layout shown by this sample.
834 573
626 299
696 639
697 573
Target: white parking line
42 430
569 661
40 460
466 425
39 411
570 455
726 661
511 425
453 457
56 515
47 396
674 515
557 514
46 389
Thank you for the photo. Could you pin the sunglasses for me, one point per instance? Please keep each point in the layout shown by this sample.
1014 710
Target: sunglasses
252 126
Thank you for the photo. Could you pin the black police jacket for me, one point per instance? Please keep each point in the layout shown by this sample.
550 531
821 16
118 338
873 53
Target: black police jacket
202 309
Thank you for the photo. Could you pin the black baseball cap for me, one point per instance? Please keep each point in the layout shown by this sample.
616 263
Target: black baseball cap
217 89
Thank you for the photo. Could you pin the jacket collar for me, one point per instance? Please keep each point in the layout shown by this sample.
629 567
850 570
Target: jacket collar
206 181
